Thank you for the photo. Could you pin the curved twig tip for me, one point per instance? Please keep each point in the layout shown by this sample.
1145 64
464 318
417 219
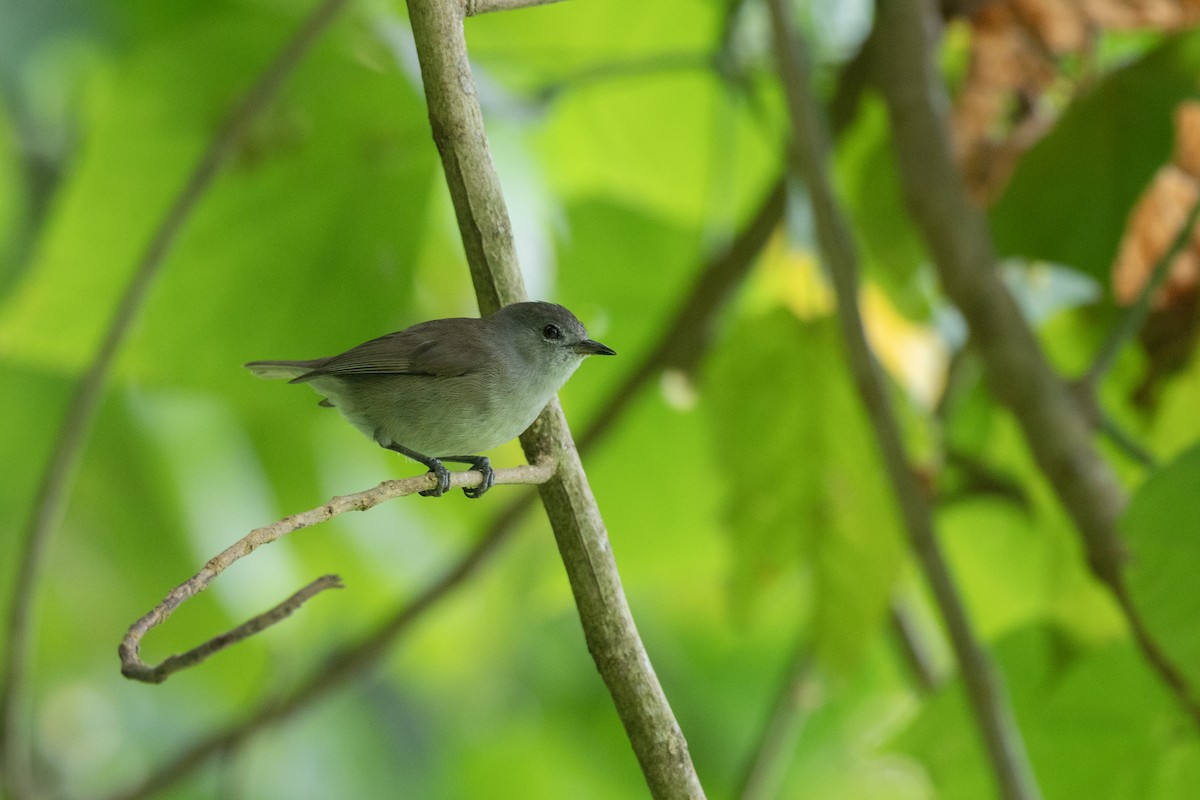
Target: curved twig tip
134 668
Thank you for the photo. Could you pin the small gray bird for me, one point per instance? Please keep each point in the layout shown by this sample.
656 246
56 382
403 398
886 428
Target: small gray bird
460 385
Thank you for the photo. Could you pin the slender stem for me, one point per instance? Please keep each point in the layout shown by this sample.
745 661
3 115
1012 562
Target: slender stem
793 699
476 7
132 665
914 648
1058 434
985 691
1125 441
338 669
1131 321
654 64
81 410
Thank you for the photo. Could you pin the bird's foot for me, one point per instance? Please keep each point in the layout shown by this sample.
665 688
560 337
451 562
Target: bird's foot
481 464
484 466
443 479
442 474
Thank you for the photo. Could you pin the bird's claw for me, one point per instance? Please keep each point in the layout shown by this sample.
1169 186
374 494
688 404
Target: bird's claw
489 477
443 480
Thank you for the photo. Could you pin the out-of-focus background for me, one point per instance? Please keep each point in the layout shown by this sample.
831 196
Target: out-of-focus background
756 532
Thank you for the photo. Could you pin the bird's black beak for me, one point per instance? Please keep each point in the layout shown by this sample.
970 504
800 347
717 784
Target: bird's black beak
592 348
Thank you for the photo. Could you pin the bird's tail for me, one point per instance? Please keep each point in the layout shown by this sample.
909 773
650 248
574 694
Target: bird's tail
281 369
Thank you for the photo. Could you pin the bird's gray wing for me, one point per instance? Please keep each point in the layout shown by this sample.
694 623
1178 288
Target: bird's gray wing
430 348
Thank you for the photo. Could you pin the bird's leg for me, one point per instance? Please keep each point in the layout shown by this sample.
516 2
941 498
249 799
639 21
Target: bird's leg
480 463
435 466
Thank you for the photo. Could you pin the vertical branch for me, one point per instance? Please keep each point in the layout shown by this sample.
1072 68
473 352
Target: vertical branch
457 124
1002 738
81 409
1055 424
608 626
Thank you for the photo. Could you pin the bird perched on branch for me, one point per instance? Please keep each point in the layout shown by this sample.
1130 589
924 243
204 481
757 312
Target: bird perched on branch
448 389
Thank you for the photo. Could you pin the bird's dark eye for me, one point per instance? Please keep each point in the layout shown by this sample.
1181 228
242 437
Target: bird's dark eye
552 331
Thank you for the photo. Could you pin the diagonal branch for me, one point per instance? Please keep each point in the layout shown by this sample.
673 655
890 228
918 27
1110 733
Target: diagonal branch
132 665
795 699
1126 329
985 690
1056 429
958 240
1131 321
608 625
56 479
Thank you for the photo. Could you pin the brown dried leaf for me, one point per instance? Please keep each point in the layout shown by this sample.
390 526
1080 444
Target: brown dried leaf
1153 225
1016 47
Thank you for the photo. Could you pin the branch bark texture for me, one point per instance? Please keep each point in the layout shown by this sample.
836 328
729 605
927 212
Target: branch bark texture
985 691
608 626
956 232
1056 425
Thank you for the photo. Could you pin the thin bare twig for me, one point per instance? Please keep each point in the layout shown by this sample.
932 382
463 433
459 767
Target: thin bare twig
1131 321
1124 441
132 665
134 668
476 7
653 64
1125 331
1049 412
339 668
52 489
985 692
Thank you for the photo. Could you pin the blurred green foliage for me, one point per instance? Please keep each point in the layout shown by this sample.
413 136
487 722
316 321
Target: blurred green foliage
746 503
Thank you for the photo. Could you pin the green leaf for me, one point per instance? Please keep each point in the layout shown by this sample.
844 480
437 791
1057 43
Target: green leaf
639 114
624 244
1162 527
805 485
330 190
1070 194
1096 723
